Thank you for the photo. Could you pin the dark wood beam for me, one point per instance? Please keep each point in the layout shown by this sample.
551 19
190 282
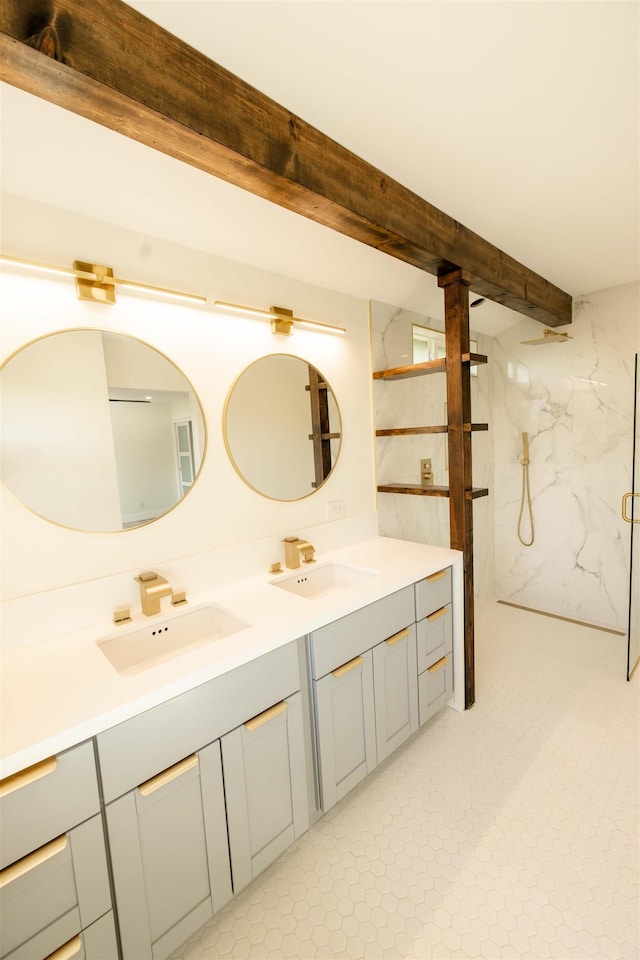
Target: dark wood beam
456 326
106 62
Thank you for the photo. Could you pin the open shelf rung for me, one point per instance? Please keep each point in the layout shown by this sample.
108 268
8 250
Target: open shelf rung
418 431
422 369
431 490
410 431
474 358
411 370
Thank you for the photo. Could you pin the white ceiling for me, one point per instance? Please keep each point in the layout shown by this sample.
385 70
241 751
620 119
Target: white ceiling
520 119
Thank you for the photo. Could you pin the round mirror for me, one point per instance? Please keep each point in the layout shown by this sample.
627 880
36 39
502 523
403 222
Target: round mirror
100 431
282 427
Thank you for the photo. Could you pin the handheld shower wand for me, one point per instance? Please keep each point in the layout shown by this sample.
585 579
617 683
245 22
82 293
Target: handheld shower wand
526 493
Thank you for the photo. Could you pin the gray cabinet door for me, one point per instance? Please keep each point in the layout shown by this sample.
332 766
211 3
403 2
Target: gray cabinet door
169 851
345 727
395 682
265 787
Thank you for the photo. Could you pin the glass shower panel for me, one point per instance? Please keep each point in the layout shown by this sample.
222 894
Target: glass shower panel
633 508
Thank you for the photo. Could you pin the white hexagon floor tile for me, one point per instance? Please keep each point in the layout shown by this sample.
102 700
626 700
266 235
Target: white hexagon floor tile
507 831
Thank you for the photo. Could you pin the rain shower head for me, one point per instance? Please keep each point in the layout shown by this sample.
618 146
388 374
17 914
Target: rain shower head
548 336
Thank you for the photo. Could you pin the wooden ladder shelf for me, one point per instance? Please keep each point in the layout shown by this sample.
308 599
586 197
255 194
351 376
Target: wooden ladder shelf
460 492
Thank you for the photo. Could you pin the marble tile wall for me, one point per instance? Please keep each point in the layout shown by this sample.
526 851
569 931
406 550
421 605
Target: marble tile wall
575 399
421 402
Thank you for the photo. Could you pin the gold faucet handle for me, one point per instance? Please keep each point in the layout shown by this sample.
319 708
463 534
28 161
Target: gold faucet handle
148 576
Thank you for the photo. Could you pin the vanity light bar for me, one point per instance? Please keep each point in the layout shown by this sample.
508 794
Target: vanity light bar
97 283
282 320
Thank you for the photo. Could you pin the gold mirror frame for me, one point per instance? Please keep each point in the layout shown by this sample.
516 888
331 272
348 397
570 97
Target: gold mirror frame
98 472
273 456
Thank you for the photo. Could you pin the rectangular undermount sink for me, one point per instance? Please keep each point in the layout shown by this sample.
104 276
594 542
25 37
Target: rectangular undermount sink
313 582
160 640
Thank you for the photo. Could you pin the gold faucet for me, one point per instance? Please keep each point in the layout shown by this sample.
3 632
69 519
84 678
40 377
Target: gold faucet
152 589
294 548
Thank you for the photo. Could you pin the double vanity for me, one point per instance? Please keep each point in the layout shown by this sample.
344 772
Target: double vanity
153 770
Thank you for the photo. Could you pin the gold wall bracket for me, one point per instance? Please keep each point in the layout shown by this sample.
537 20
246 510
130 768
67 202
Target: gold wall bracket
93 287
281 322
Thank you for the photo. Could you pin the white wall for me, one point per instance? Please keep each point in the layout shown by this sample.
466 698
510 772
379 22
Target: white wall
211 350
575 399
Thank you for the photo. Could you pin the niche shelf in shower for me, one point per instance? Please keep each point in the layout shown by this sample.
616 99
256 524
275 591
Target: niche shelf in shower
426 368
432 490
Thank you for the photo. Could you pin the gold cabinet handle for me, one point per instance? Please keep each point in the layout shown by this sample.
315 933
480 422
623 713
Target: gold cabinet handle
346 667
27 776
32 860
397 636
439 665
628 496
67 950
265 716
162 779
437 576
437 614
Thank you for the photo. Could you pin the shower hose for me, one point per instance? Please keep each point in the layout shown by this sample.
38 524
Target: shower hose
526 497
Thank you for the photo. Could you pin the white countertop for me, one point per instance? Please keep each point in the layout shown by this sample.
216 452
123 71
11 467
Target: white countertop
58 693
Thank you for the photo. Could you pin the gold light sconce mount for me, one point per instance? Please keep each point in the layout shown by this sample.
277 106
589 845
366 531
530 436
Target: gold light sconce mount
282 321
90 282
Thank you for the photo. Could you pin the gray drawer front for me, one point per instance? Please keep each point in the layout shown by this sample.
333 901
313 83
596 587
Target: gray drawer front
71 880
97 942
49 940
138 749
435 637
49 806
100 939
344 639
433 592
434 689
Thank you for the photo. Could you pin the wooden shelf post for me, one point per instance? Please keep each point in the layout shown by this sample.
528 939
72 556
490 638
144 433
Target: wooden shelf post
456 312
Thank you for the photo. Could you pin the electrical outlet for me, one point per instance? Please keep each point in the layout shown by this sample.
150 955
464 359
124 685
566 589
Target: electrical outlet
426 473
335 510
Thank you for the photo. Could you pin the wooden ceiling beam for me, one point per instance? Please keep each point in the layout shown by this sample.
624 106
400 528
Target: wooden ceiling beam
108 63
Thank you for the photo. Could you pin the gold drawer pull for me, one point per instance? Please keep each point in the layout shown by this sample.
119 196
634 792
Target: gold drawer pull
27 776
162 779
439 665
265 716
437 576
438 613
33 860
340 671
397 636
67 950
